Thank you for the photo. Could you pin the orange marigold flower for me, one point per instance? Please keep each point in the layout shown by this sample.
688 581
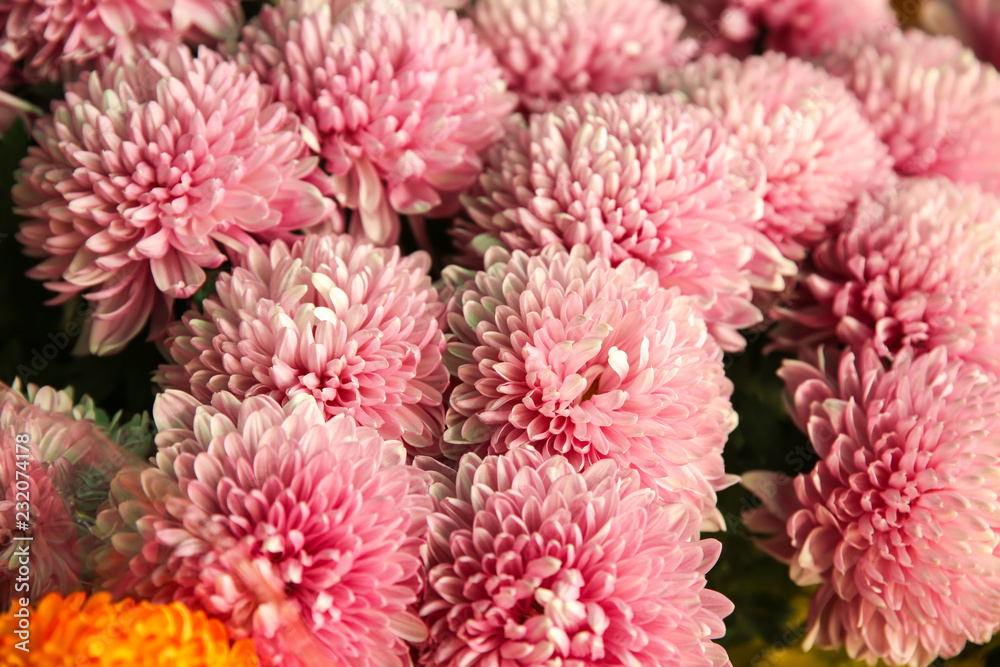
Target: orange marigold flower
94 632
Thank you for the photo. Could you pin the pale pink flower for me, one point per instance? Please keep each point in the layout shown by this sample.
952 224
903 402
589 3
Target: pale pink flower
553 49
564 353
326 510
46 438
898 523
915 267
351 325
55 40
633 175
399 100
802 128
797 27
145 173
930 101
533 563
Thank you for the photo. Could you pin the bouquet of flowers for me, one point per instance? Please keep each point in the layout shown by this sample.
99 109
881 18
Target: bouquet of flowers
499 333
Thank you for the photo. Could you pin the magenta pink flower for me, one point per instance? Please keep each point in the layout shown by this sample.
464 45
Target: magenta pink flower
899 521
533 563
801 128
915 267
44 437
553 49
351 325
930 100
633 175
145 173
325 510
566 354
399 100
797 27
55 40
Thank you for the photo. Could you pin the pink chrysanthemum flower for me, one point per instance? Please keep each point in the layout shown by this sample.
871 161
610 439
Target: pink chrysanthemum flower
899 521
802 128
349 324
566 354
145 171
930 100
916 267
54 40
533 563
44 434
797 27
326 510
399 98
553 49
633 175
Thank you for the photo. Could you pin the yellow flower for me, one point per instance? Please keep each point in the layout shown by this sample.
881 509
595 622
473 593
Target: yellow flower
94 632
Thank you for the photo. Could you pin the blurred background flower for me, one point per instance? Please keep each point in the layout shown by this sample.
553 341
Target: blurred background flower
797 27
57 457
975 22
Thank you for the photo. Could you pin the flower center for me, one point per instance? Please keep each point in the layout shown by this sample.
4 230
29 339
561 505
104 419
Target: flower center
337 386
592 391
166 189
